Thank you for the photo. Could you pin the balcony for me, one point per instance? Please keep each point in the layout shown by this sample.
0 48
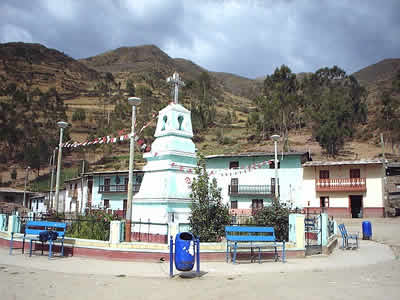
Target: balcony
341 185
117 188
251 190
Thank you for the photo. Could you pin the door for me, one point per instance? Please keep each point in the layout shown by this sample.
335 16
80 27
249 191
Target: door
107 182
356 206
90 187
256 204
234 185
124 207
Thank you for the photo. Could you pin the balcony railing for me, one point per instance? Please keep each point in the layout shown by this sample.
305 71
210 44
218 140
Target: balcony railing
117 188
250 190
341 185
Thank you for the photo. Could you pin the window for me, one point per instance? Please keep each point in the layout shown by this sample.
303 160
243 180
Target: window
180 121
257 204
272 164
234 165
165 118
324 201
354 173
117 180
126 180
323 174
106 203
234 204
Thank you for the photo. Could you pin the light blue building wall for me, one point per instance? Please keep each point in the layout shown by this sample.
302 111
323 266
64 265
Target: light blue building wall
248 178
112 186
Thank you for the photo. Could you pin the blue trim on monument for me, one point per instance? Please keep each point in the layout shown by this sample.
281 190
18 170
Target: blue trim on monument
176 158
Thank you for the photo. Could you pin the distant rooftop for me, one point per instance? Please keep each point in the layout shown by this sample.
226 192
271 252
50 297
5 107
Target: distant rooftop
256 154
341 163
12 190
103 173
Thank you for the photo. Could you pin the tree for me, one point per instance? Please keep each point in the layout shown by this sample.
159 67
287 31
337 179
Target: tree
278 105
335 104
130 87
14 174
209 215
388 119
79 115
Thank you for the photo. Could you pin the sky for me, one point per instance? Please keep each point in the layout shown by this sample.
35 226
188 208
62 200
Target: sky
249 38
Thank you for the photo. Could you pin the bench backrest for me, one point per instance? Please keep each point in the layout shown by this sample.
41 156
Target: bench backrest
250 234
343 230
36 227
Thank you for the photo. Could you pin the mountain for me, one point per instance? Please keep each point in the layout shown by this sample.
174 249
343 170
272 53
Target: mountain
151 59
34 65
238 85
381 71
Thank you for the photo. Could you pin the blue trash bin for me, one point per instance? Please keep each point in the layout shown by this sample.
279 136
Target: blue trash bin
367 230
184 251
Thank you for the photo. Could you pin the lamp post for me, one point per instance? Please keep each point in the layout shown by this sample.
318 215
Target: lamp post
275 138
26 178
134 101
62 125
51 204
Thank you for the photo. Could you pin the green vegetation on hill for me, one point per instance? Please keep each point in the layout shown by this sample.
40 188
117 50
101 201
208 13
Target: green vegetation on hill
328 106
328 102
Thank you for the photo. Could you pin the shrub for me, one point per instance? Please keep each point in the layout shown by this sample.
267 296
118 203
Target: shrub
94 226
277 216
209 214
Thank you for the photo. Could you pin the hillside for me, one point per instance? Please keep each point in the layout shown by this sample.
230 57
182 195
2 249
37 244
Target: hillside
34 65
381 71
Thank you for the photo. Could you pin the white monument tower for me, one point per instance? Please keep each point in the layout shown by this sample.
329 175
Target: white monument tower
164 195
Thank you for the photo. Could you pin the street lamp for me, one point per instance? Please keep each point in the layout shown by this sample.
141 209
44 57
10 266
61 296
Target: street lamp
62 125
26 177
134 101
275 138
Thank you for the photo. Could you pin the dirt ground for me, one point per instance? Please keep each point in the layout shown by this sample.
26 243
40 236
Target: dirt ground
372 272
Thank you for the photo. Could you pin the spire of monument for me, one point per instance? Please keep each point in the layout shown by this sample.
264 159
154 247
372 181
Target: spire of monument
176 81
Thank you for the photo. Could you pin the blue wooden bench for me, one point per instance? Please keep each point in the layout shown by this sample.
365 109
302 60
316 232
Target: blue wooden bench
346 236
252 237
34 228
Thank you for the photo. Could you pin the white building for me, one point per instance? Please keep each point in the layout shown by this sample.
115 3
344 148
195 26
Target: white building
345 188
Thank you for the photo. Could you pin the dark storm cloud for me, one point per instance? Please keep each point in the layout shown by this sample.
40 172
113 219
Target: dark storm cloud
247 37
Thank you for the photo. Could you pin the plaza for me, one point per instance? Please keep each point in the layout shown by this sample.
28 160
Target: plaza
371 272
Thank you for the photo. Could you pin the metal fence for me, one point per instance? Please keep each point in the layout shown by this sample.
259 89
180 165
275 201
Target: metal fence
149 231
331 227
86 228
3 222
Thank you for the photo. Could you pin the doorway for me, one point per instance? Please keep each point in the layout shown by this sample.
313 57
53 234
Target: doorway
356 206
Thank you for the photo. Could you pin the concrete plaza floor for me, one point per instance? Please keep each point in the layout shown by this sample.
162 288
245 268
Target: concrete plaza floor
371 272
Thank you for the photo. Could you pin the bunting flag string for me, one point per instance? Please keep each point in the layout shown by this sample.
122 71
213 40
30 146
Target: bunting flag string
121 137
226 172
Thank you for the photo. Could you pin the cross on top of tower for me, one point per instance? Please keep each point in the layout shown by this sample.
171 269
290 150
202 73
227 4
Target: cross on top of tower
176 81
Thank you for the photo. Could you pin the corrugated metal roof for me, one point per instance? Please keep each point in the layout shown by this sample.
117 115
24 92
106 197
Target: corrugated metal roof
254 154
103 173
340 163
394 165
13 190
